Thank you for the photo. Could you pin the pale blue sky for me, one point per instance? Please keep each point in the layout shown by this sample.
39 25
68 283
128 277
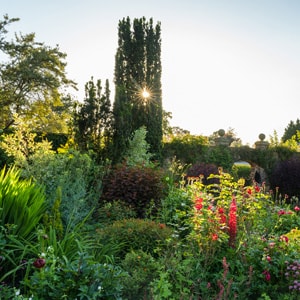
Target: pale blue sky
226 63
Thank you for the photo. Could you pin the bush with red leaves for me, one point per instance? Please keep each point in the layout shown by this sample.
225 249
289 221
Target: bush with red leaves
137 186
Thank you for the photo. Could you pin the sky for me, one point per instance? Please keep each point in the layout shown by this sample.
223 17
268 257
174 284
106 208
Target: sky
230 64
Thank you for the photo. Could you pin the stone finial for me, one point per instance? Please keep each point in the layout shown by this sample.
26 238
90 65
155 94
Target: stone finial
261 144
222 139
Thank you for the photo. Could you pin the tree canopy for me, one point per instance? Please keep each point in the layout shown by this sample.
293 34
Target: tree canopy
31 72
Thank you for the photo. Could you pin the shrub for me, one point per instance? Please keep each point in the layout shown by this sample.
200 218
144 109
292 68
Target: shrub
112 211
286 176
142 269
137 186
73 173
135 234
138 148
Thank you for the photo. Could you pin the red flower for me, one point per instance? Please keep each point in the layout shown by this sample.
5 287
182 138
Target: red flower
198 203
257 188
281 212
214 237
296 208
267 275
232 223
249 191
222 215
39 263
162 226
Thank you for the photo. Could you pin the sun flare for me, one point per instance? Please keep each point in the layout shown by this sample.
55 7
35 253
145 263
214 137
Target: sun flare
145 93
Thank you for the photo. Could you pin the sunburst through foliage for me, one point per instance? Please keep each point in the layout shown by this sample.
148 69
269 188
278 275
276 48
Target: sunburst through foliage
142 94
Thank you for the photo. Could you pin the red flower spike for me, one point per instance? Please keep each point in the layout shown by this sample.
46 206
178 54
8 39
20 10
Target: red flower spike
232 222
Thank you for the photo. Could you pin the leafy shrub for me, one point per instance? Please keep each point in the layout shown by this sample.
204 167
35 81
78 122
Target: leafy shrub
286 176
137 186
205 170
82 278
73 173
138 148
135 234
175 211
142 269
112 211
220 156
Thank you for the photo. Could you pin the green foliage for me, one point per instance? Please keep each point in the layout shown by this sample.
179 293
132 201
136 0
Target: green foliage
70 269
93 120
82 278
220 156
77 176
53 218
112 211
138 186
138 68
57 140
135 234
138 149
175 211
22 203
31 73
242 170
22 146
187 148
142 268
291 130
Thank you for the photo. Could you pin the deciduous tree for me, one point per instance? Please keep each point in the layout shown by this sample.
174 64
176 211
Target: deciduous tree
31 72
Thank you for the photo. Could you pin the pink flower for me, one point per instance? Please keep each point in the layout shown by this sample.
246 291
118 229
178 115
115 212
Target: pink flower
268 258
284 238
296 208
271 245
281 212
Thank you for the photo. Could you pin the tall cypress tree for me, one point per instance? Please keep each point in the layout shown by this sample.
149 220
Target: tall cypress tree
93 119
138 70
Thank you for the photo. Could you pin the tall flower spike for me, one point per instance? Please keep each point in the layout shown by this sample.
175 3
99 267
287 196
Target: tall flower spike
232 222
